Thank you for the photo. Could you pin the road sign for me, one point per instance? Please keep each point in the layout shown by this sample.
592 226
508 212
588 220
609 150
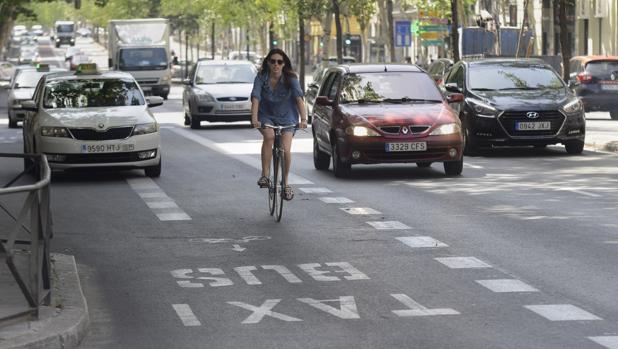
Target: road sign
432 35
432 42
428 13
433 28
403 34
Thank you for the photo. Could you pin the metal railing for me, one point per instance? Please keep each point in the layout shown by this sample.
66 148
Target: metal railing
36 286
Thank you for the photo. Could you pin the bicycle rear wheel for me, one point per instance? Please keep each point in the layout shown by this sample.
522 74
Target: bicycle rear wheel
281 183
272 189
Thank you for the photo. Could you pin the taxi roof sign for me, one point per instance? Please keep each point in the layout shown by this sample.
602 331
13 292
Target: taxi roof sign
42 67
87 68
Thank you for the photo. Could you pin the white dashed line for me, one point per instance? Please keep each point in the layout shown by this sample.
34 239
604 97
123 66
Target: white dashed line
507 285
561 312
388 225
186 315
473 166
315 190
335 200
416 309
360 210
421 241
610 342
462 262
162 205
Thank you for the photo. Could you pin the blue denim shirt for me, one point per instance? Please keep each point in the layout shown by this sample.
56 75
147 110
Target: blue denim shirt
278 104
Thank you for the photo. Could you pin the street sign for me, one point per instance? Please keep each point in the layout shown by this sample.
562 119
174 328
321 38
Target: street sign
433 28
428 13
403 34
432 42
432 35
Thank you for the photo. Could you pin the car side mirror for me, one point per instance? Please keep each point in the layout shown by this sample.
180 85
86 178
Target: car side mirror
455 98
452 87
29 105
324 101
187 82
154 101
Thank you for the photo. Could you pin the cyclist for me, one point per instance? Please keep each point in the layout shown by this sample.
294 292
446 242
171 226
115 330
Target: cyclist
277 99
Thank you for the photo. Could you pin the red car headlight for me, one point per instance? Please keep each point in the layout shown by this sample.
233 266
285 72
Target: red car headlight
361 131
446 129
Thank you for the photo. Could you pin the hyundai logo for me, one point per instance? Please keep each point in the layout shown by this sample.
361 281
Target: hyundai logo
532 115
405 130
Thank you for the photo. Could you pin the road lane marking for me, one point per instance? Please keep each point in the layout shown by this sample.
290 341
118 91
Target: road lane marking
507 285
335 200
467 164
155 198
258 313
462 262
186 315
421 241
416 309
246 274
360 210
347 306
561 312
315 190
253 161
216 281
610 342
388 225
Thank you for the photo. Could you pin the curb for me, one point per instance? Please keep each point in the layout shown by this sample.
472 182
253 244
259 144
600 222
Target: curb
62 325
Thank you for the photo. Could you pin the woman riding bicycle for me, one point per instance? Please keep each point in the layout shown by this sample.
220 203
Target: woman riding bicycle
277 99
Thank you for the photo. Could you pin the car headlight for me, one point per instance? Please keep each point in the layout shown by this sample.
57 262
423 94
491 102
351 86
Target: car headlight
446 129
482 109
48 131
361 131
16 103
204 97
573 106
142 129
165 78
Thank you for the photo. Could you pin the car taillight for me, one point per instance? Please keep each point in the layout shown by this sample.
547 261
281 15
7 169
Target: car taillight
584 77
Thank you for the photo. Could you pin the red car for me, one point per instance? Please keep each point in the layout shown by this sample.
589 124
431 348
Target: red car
384 113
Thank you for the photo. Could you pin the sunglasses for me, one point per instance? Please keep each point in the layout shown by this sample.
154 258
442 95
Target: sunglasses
276 61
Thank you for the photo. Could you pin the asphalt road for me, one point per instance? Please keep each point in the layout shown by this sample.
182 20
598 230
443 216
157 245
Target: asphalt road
518 252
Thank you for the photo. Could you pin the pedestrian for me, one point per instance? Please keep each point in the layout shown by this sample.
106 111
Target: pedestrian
277 99
418 61
408 60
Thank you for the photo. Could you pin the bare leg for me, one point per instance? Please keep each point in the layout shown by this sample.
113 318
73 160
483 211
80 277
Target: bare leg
267 150
286 139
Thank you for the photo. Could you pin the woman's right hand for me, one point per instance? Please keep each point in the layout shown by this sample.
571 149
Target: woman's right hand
255 123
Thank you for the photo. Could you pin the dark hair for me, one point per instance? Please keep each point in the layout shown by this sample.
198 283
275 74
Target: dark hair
288 71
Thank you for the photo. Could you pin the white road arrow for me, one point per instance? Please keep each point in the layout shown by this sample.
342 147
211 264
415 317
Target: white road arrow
238 248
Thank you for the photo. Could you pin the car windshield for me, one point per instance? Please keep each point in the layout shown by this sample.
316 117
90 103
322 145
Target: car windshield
513 76
27 79
225 74
90 93
602 69
143 59
389 87
64 28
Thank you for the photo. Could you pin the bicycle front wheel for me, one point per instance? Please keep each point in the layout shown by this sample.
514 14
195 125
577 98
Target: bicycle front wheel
281 183
272 189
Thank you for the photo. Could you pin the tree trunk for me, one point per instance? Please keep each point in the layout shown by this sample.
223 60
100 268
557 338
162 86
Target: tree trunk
326 26
391 30
521 30
338 29
301 43
454 31
212 40
564 41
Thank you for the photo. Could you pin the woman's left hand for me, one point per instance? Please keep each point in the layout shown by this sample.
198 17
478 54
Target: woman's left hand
303 124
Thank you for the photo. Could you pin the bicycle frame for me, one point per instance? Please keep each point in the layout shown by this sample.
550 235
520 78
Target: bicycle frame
277 185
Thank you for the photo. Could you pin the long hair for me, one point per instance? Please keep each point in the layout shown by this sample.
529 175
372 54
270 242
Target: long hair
288 72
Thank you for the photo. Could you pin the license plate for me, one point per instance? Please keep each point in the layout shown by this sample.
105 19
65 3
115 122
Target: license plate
406 146
533 126
107 148
609 87
233 106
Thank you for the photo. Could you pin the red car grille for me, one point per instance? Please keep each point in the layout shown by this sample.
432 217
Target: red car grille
412 129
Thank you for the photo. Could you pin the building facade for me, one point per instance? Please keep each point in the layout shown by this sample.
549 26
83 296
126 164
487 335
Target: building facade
596 27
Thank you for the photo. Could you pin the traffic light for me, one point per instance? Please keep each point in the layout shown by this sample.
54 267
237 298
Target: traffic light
414 28
275 42
347 40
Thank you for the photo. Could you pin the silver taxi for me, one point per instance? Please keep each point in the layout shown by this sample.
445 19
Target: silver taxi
91 119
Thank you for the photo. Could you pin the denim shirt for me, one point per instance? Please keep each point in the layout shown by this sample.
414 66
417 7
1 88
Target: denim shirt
278 104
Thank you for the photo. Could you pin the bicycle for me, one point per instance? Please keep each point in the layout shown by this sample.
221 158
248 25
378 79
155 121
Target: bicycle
276 190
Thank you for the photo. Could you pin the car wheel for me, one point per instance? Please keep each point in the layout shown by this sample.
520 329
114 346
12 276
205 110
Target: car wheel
453 168
423 164
153 171
321 160
470 148
187 120
164 96
614 114
342 169
12 122
574 146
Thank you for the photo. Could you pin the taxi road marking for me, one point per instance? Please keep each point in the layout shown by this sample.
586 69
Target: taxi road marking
162 205
186 315
610 342
462 262
421 241
561 312
507 285
347 306
388 225
263 310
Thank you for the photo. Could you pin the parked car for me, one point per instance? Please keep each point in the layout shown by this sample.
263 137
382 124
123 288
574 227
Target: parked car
91 119
516 102
28 54
595 81
439 68
312 91
218 91
377 113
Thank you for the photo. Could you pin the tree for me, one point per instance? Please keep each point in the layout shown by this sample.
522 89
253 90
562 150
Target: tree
363 10
337 13
565 48
454 31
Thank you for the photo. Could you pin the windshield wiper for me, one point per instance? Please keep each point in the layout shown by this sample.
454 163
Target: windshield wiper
362 101
525 88
408 99
483 89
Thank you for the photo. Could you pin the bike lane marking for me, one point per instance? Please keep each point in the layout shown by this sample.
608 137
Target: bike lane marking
155 198
610 342
421 241
186 315
561 312
506 285
462 262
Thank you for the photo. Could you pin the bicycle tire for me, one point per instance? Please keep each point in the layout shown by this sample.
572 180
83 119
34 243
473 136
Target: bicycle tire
279 211
272 189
